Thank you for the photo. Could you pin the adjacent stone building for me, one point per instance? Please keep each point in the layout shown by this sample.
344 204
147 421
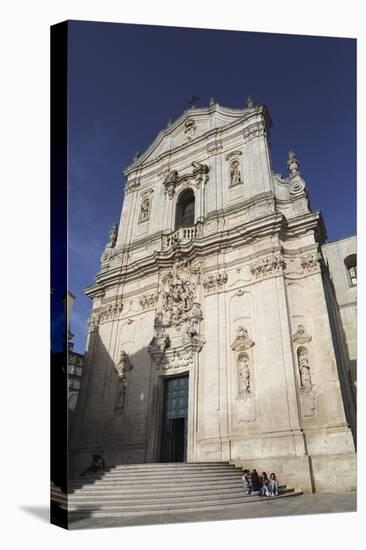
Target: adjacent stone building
211 337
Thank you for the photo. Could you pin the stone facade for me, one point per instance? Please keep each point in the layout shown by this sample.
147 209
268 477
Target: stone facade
234 298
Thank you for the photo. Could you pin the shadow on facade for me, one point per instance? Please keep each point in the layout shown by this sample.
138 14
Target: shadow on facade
346 366
102 423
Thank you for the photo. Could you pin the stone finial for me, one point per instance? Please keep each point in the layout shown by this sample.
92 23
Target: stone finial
137 155
211 101
250 102
293 164
170 122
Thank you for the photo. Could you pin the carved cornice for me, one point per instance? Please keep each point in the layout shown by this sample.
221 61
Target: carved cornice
214 282
266 267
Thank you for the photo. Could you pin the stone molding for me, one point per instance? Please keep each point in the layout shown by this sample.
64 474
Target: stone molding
131 186
254 131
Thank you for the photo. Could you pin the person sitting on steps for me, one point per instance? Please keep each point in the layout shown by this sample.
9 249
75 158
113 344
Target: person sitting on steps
273 485
247 481
265 482
256 484
97 464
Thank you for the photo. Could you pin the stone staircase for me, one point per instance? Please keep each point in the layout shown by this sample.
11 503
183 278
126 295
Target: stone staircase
144 489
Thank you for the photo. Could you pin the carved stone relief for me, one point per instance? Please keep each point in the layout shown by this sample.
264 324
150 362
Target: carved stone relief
311 262
242 341
148 301
198 177
301 336
106 313
215 282
267 267
177 291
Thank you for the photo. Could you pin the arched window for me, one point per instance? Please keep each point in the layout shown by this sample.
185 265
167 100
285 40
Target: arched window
185 209
351 265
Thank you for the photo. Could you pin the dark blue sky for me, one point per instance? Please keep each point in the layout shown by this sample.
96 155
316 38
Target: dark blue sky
126 81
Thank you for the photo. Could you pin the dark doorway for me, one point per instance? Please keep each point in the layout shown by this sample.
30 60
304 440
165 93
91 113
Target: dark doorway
177 439
175 414
185 209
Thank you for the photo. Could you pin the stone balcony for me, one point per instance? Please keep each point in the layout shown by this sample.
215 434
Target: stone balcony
181 235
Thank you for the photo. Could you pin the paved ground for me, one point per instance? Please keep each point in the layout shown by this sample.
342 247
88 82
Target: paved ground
292 506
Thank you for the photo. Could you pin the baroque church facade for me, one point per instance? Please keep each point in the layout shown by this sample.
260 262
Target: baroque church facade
215 333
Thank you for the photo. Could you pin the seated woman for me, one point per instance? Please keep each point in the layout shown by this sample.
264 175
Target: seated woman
273 485
256 483
265 483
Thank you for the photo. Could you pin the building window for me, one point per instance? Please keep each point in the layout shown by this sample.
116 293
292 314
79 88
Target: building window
351 266
185 209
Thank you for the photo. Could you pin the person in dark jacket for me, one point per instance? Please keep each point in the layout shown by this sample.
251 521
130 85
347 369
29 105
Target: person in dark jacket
256 484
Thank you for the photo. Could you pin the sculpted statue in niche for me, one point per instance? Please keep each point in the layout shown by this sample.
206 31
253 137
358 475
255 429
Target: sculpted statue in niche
123 367
304 368
189 128
235 176
145 209
244 376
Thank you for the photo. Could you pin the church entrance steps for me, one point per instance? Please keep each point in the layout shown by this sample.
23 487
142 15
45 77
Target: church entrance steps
158 488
